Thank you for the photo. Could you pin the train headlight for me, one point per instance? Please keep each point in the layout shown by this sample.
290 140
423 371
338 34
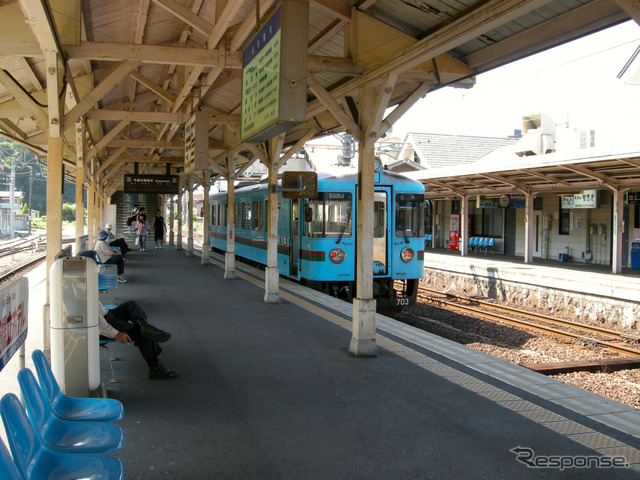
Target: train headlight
337 255
407 254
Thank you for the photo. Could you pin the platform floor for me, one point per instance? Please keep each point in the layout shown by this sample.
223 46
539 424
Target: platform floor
271 392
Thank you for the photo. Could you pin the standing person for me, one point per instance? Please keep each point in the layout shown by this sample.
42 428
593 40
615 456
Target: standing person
159 227
128 322
115 241
142 228
108 256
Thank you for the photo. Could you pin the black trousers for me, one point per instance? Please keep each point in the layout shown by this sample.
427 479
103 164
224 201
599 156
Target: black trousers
122 244
116 260
122 319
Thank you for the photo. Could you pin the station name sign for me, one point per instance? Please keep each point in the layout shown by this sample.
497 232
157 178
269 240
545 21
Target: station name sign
152 184
586 199
274 72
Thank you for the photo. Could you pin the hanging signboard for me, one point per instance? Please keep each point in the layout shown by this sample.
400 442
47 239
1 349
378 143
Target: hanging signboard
13 327
196 143
274 72
586 199
633 198
152 184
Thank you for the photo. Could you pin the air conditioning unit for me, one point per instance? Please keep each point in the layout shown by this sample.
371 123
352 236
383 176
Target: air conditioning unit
538 137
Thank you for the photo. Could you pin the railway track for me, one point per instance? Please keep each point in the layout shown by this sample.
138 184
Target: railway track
578 332
21 246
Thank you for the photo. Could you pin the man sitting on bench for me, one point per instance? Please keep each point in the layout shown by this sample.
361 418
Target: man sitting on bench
115 241
128 322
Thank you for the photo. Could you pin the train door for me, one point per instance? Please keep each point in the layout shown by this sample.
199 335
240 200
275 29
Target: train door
294 240
380 232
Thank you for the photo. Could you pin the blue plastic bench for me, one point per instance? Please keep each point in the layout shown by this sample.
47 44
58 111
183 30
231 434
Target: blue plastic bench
71 408
8 469
64 435
37 462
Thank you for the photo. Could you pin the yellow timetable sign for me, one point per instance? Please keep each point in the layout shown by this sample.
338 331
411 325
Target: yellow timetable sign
274 70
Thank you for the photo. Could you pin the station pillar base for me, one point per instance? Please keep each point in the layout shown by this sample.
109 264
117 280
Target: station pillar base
363 341
229 265
272 285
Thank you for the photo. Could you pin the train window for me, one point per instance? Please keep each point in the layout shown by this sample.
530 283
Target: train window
379 223
214 214
330 215
237 215
258 216
246 215
409 215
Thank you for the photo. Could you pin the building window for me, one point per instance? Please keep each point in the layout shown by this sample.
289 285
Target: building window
564 225
485 222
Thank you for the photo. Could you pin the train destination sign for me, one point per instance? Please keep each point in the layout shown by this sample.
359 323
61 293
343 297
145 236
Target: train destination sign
274 71
151 184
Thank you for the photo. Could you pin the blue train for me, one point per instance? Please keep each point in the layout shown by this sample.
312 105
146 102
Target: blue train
317 237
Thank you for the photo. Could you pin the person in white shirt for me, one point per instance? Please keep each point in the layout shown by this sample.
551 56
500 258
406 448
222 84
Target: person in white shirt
128 323
108 256
115 241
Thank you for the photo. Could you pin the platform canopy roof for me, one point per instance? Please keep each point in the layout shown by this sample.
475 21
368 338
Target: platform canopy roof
135 70
504 172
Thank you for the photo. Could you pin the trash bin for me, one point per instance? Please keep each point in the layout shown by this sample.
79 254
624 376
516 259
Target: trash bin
75 325
635 255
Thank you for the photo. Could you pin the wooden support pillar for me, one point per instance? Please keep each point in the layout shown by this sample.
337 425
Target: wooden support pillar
463 240
190 219
179 233
434 224
272 273
616 232
205 218
529 228
91 211
79 184
230 255
171 218
363 339
54 71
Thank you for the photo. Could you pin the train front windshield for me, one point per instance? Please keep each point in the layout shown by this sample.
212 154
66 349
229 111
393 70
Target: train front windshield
409 215
330 215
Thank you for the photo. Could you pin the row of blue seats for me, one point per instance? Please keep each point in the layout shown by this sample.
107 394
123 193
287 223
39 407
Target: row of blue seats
482 243
428 237
58 436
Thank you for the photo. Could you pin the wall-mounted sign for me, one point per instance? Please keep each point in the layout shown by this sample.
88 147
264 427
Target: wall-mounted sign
196 143
151 184
586 199
13 328
633 198
274 72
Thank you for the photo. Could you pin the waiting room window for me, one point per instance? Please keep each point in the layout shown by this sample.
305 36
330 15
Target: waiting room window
485 222
564 223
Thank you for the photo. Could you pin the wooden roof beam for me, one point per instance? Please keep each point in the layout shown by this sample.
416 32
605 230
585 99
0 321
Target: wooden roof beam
605 179
12 129
186 15
330 103
147 82
98 92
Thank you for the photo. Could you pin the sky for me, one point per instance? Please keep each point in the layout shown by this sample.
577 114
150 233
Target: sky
575 83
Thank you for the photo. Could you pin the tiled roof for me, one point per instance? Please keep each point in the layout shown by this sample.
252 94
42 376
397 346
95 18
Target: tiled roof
439 150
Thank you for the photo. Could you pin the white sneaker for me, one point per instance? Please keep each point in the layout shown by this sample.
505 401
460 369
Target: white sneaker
121 280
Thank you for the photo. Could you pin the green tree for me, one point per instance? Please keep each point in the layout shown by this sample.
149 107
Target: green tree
68 212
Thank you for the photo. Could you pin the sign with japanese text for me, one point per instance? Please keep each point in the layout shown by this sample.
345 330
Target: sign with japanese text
13 326
196 143
151 184
274 71
586 199
633 198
